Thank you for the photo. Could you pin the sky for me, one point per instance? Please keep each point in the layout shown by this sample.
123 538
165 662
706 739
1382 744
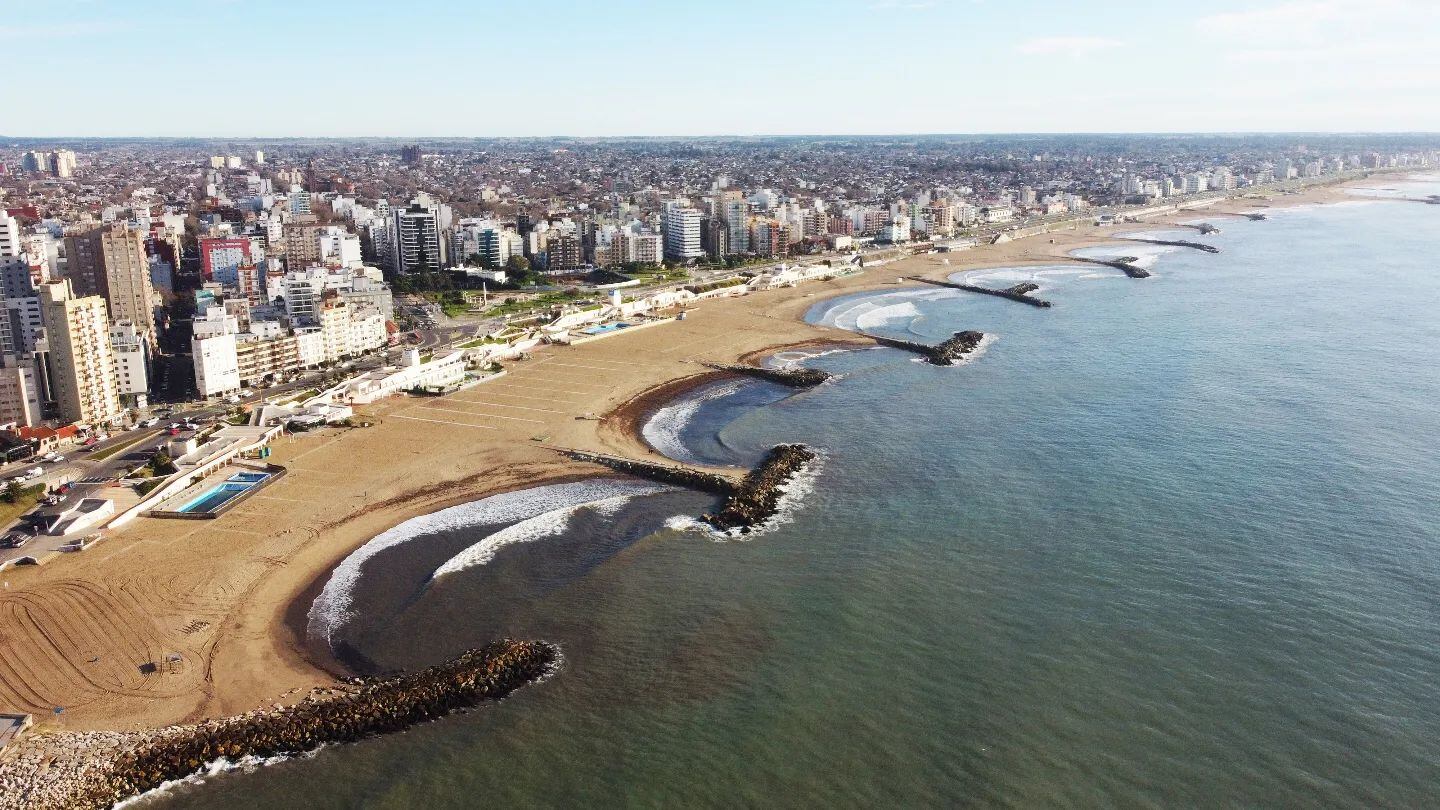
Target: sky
431 68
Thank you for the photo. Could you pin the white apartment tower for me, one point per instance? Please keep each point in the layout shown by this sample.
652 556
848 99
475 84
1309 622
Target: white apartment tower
682 231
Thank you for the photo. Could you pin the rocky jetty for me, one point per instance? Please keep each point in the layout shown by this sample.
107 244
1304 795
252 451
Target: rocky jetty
95 770
664 473
944 354
1204 228
1178 243
757 498
1125 264
793 376
1020 292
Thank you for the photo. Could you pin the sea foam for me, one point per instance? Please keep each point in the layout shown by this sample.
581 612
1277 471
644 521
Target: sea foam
545 524
664 429
331 608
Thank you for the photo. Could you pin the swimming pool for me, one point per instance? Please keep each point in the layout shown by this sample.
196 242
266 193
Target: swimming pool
217 496
605 327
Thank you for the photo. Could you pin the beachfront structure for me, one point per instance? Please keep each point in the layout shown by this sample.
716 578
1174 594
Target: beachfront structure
438 374
82 367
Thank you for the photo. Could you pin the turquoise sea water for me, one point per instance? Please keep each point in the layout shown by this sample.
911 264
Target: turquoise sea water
1170 543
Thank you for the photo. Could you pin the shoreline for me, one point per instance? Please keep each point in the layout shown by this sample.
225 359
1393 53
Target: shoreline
259 647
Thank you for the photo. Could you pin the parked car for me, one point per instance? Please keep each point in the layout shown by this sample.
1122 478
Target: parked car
151 422
14 541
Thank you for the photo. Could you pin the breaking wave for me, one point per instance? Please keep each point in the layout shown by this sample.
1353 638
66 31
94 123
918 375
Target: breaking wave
545 524
331 608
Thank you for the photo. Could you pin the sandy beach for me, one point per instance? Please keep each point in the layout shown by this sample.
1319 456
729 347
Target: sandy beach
229 595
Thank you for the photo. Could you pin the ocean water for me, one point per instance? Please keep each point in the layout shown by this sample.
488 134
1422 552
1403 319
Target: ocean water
1170 543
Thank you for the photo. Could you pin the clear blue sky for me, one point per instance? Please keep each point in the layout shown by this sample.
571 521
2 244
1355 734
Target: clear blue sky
685 67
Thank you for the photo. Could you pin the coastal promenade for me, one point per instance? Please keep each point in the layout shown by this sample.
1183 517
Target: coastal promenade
174 621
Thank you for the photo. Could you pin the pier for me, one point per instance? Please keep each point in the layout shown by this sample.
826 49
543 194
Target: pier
1125 264
1175 243
793 377
1020 292
944 354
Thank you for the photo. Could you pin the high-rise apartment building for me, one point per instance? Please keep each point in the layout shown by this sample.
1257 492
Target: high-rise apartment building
111 262
302 242
416 242
82 366
682 231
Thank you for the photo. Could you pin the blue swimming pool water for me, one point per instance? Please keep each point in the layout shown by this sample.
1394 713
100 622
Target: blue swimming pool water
603 328
223 493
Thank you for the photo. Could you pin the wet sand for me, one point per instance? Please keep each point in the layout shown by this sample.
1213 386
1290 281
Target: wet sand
229 595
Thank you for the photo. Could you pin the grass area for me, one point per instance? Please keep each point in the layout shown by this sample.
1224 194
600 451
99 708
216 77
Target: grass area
299 397
12 509
100 455
545 300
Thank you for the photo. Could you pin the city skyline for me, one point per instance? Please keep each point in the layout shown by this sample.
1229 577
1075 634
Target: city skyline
854 67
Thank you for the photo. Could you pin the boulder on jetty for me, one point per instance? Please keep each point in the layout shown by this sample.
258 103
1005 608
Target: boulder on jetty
757 498
944 354
106 771
793 376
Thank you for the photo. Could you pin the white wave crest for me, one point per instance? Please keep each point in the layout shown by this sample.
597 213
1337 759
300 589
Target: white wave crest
663 430
545 524
331 608
867 311
209 770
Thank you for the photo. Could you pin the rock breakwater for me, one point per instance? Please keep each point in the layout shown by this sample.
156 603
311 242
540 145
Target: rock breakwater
943 354
1178 243
1020 292
757 498
795 377
1125 264
664 473
84 771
